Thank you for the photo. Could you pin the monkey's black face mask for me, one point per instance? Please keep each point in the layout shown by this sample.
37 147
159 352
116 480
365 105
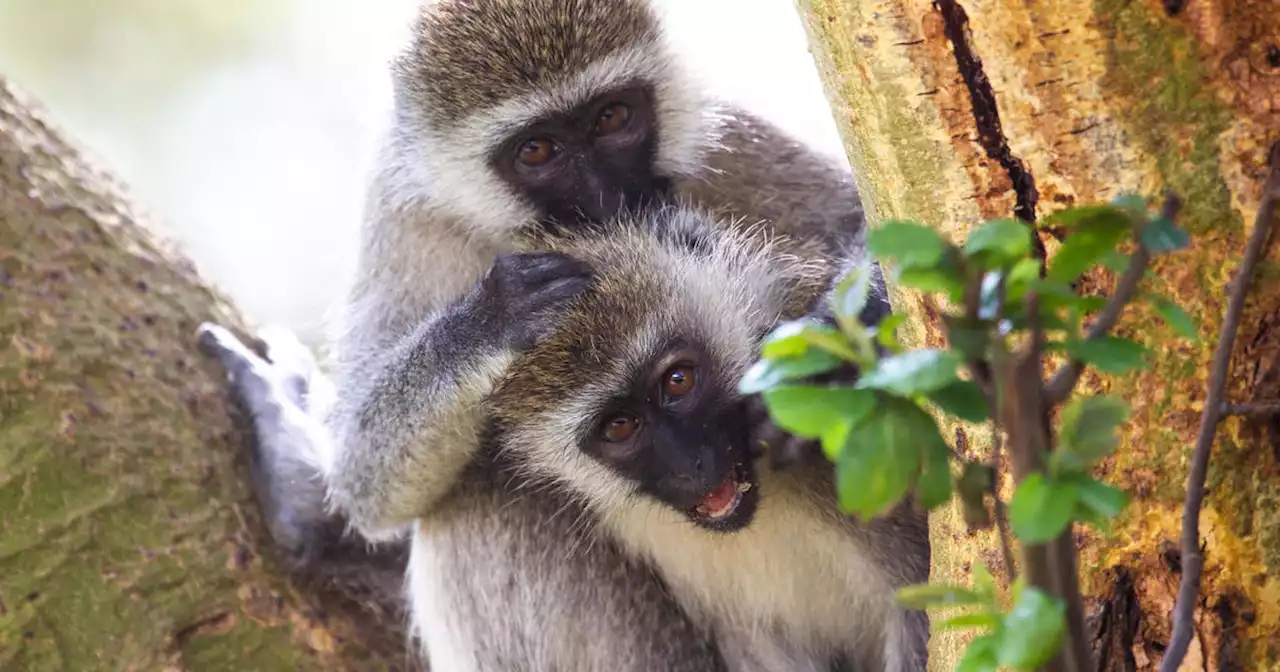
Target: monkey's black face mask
588 164
682 437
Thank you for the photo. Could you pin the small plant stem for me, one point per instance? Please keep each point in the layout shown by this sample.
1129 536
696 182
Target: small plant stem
1051 566
1253 409
1064 381
1002 516
1192 559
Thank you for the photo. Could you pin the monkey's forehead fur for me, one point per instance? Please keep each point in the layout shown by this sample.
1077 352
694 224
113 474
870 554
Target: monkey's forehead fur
673 275
469 55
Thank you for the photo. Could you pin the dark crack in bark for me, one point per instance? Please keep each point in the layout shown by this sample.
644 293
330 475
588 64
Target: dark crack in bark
1114 624
986 116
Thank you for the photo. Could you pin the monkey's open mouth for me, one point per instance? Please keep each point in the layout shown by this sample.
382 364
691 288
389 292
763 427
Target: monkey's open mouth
732 504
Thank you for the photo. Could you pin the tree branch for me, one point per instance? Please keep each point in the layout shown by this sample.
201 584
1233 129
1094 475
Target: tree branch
1002 516
1192 559
1252 409
1064 381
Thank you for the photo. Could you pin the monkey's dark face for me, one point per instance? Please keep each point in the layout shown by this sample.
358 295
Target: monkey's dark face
589 163
679 432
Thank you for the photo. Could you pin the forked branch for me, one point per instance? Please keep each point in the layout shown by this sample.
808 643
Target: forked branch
1192 558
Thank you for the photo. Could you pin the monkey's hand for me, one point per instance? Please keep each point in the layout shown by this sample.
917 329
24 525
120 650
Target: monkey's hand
767 438
408 420
285 466
522 296
783 448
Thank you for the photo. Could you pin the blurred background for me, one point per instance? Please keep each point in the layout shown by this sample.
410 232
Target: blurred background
248 127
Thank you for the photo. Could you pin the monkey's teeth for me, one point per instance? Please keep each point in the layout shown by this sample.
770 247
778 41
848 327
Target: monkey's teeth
743 487
728 508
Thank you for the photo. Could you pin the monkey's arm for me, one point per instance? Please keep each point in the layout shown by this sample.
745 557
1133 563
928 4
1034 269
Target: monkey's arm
287 469
408 415
407 422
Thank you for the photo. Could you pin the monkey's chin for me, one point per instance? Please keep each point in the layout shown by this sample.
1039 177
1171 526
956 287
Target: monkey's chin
732 505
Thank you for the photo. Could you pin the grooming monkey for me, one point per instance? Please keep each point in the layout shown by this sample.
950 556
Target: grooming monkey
510 116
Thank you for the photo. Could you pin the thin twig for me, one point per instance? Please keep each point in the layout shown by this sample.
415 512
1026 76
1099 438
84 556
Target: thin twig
1002 518
1253 409
1192 559
1064 381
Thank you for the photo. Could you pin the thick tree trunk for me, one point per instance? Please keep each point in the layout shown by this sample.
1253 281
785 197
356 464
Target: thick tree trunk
955 111
128 539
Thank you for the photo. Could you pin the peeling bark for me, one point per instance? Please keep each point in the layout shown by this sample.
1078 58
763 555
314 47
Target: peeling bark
957 111
128 539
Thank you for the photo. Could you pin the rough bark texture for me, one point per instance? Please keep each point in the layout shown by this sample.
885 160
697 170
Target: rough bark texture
128 539
956 111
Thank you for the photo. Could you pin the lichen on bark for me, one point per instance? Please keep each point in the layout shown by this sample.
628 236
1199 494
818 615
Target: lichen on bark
128 539
1098 98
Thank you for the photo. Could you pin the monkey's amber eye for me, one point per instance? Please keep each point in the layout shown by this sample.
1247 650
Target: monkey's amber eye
536 152
620 428
678 381
613 118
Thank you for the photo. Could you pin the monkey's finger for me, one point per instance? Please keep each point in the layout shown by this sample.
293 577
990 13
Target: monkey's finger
218 342
556 293
550 266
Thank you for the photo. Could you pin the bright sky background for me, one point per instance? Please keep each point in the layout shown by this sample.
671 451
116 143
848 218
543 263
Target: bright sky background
255 154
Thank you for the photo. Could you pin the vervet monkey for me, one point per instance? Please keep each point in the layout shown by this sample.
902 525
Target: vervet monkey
510 116
630 410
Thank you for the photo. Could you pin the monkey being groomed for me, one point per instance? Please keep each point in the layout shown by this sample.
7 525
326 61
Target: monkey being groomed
624 431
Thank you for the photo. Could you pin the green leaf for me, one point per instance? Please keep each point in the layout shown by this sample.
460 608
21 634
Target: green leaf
973 485
983 583
968 339
785 341
911 373
1088 430
1021 277
1133 203
881 455
1105 215
1032 631
885 331
1041 509
1102 499
1002 240
981 656
913 245
1115 261
766 373
850 296
944 277
963 399
982 619
934 483
794 338
836 436
810 411
1162 236
925 595
1109 354
1082 249
1174 316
